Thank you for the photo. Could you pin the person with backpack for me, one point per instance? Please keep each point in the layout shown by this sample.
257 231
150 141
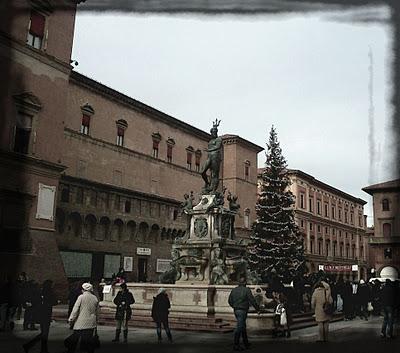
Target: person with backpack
160 312
322 304
123 314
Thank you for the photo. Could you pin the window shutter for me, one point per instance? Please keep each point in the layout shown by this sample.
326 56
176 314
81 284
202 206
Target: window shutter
120 131
155 144
85 120
189 158
37 24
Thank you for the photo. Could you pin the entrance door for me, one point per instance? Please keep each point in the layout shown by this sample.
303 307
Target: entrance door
142 269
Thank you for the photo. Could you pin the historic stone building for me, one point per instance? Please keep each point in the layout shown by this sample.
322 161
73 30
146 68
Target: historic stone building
384 240
91 178
333 226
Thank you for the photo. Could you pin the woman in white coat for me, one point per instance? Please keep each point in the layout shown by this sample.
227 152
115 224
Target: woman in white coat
322 295
84 320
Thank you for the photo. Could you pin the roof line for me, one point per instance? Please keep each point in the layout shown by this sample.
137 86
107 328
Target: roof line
137 105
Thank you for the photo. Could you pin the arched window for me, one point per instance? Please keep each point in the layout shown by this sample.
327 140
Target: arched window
387 229
385 205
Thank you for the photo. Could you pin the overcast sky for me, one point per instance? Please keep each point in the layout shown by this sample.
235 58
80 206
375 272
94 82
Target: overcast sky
307 75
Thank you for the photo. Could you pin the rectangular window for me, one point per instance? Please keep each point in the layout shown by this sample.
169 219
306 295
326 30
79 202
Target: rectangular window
301 200
310 205
311 226
326 230
360 221
120 136
246 172
311 247
319 248
334 249
197 161
318 207
169 153
302 224
189 160
79 195
327 249
117 202
340 214
351 218
155 149
345 217
22 136
36 30
85 124
333 212
319 228
326 210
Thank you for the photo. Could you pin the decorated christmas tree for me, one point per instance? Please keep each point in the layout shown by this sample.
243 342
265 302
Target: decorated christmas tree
276 250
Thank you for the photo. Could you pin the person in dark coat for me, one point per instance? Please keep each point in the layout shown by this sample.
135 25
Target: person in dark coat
375 297
30 302
42 315
364 296
348 301
160 312
388 303
240 300
123 314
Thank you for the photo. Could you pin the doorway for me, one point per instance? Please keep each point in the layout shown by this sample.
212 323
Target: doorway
142 269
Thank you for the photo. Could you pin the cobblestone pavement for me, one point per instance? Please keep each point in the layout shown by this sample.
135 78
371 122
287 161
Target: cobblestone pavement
345 336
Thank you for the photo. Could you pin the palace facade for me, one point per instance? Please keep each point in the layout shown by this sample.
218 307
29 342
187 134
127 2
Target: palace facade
93 179
332 224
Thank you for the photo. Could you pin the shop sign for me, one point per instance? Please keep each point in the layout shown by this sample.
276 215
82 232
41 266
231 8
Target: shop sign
143 251
337 268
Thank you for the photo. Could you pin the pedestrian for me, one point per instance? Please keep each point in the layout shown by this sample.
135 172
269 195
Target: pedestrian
31 299
388 302
123 300
375 294
20 286
240 300
42 315
160 312
363 296
283 317
320 299
84 317
347 300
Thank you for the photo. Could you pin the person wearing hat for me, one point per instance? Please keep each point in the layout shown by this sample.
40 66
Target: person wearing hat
84 317
123 314
160 312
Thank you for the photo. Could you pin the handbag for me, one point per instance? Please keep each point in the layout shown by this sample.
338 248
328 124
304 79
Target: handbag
328 307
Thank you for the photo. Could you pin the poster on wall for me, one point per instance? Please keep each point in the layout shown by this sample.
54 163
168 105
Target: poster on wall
45 202
128 263
163 265
111 265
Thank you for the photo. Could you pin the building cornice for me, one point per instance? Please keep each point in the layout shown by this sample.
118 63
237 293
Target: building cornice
316 219
118 190
26 163
325 186
72 133
235 139
384 240
37 54
97 87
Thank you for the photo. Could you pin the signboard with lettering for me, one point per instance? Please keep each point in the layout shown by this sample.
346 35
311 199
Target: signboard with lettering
339 268
143 251
163 265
